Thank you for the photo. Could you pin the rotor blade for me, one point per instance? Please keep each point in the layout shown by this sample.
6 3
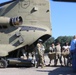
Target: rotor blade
4 3
65 0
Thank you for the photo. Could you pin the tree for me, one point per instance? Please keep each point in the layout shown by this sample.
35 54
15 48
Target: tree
63 39
48 43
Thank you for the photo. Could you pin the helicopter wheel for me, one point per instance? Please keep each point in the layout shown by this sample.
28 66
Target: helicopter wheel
3 63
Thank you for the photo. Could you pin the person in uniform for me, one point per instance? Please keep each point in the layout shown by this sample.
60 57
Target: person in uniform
58 54
40 54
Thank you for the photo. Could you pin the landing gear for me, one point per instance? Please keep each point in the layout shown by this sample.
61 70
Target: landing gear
3 63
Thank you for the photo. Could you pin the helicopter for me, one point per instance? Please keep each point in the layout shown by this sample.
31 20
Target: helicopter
22 23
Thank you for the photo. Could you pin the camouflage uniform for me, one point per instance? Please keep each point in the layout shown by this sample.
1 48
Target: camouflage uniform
40 55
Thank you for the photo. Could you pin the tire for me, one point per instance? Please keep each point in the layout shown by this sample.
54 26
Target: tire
3 63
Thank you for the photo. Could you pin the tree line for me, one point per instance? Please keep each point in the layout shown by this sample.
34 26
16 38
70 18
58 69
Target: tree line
61 39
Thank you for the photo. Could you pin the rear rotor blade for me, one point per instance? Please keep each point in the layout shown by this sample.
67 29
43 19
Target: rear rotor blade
65 0
4 3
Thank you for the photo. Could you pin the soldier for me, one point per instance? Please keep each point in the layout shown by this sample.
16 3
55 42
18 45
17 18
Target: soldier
58 54
40 54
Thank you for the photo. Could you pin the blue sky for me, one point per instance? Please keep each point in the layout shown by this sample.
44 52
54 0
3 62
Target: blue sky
63 18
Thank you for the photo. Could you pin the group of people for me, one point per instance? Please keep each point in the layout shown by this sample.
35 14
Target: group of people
65 51
59 52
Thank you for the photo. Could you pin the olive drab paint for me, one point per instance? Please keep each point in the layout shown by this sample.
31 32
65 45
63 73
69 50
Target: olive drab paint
22 23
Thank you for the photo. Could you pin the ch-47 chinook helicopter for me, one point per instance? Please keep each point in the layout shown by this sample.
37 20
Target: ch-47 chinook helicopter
22 23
